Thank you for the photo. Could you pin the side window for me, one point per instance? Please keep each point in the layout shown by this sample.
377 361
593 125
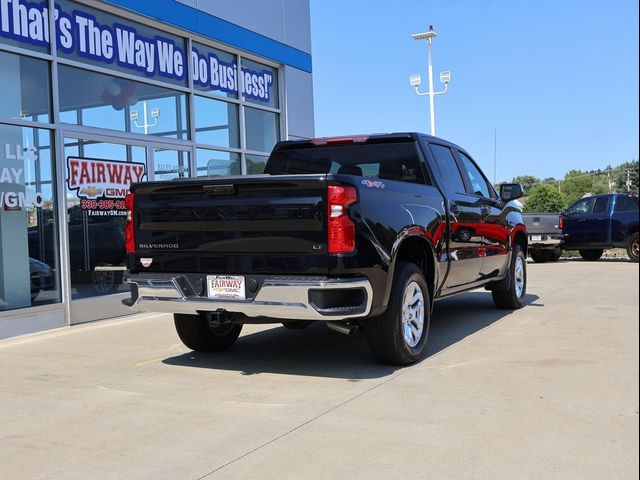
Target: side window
448 167
601 205
477 181
626 204
581 207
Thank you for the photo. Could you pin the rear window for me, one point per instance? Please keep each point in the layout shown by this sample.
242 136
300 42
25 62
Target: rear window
626 204
385 161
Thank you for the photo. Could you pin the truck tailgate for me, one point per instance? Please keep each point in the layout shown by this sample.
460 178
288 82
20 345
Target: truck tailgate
260 224
542 223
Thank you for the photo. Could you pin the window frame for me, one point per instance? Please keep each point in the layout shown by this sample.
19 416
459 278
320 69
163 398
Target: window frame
460 153
589 200
595 201
431 143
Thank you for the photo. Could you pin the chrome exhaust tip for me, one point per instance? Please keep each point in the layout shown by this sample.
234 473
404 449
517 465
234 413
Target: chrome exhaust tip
343 327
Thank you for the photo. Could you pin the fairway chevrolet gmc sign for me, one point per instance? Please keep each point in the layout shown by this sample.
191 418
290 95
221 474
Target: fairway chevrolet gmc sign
79 32
101 185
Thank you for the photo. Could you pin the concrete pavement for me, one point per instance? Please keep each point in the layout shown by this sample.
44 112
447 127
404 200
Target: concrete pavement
549 391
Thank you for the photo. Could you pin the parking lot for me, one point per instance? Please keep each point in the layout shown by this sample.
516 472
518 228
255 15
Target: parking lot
550 391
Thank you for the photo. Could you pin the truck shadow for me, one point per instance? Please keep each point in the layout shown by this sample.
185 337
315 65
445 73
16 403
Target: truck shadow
320 352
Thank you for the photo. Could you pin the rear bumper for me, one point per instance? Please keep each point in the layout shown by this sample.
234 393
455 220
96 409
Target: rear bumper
545 240
281 298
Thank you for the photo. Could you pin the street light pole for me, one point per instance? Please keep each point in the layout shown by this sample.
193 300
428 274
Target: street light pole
415 80
432 97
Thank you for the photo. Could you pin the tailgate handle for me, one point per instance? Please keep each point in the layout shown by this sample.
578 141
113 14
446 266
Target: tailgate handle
219 189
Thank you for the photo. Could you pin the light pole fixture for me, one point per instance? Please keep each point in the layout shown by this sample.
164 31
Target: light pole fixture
415 80
146 125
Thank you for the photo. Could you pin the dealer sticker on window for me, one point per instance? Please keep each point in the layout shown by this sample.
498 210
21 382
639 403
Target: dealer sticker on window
225 286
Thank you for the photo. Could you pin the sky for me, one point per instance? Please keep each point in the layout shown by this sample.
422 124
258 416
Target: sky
556 82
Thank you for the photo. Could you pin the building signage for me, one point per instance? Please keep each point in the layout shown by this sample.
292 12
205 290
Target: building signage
80 33
15 173
101 185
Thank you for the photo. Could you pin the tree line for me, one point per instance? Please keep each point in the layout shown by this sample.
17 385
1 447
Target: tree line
554 195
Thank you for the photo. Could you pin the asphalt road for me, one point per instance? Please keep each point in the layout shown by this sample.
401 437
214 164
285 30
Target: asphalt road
549 391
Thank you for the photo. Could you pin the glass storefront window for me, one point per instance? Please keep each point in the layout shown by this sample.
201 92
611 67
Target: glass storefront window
214 71
25 88
95 212
259 83
262 129
255 163
170 164
216 122
99 38
215 163
29 268
96 100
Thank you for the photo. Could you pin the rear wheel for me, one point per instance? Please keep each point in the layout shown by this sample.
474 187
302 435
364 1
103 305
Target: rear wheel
197 334
591 255
557 253
632 247
539 256
398 337
513 298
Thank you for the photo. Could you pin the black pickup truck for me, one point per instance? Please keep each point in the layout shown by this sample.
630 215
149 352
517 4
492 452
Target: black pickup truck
362 231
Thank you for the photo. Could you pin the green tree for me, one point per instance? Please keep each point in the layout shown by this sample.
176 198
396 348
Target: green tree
578 183
527 181
544 198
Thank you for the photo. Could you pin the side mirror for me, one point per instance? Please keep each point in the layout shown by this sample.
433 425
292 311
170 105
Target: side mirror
510 191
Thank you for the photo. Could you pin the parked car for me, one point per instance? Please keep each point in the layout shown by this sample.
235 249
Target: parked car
603 221
545 236
42 277
363 231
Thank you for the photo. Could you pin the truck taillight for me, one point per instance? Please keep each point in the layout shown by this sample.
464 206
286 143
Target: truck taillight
561 222
341 229
129 235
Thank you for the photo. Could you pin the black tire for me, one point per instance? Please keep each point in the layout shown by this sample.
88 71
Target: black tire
632 247
557 253
591 255
386 333
539 256
196 334
513 298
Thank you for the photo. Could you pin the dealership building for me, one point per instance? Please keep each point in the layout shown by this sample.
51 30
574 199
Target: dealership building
95 95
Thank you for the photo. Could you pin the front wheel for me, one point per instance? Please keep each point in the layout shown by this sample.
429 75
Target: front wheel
196 333
632 247
591 255
398 336
513 298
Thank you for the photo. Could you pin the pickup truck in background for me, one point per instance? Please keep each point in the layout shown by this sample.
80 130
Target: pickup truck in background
545 236
356 232
594 223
